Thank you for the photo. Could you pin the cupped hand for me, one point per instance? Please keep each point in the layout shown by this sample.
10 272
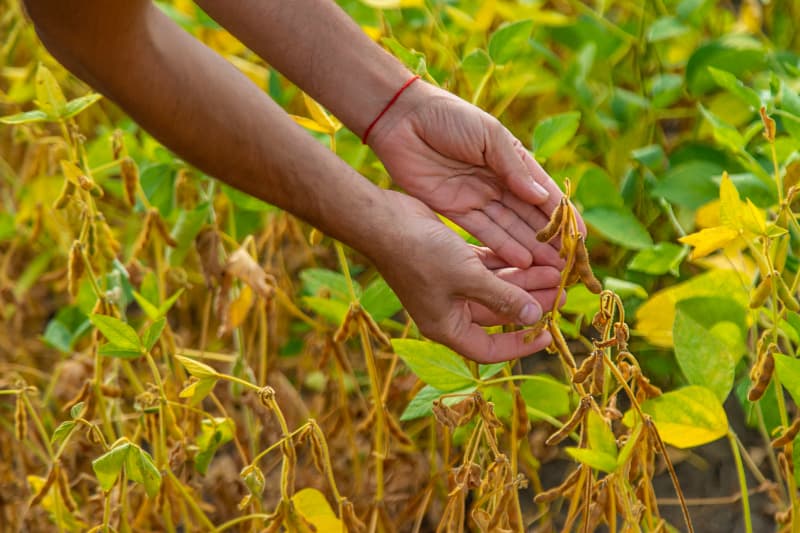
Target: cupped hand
466 165
450 289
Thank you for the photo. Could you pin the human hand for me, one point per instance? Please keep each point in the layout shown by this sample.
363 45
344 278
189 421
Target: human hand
464 164
451 288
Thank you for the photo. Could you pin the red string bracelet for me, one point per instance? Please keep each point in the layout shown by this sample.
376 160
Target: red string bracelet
385 109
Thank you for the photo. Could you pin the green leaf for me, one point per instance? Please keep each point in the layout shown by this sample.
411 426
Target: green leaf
704 358
196 368
318 281
245 201
788 369
689 184
149 309
662 258
140 469
619 226
411 58
593 458
434 364
185 230
687 417
724 133
580 301
625 288
121 352
601 438
596 188
169 302
665 90
487 371
152 333
554 132
64 330
108 466
28 117
665 28
380 301
475 66
332 310
213 434
118 333
546 395
509 41
734 53
63 429
630 445
77 105
49 97
75 410
198 390
158 184
733 85
421 405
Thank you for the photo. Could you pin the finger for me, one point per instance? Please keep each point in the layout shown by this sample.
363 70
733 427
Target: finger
544 179
479 346
495 237
544 253
483 316
530 279
489 259
502 156
506 299
515 226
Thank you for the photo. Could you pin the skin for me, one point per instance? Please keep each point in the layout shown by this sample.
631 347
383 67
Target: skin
448 155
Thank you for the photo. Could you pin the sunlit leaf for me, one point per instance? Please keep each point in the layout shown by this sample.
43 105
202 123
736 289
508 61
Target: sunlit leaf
663 258
709 240
77 105
593 458
108 466
152 333
687 417
655 317
49 97
788 369
63 429
704 358
312 505
509 41
196 368
554 132
118 333
434 364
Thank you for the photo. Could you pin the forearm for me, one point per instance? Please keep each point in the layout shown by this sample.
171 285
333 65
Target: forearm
319 47
201 107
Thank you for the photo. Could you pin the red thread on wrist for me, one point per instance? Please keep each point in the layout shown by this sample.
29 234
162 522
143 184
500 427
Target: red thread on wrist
385 109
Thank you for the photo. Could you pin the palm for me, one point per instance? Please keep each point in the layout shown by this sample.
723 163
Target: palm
465 165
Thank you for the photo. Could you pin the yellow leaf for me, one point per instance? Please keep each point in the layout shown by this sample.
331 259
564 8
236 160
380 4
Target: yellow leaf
196 368
687 417
460 18
707 216
393 4
242 266
730 210
312 505
707 240
655 317
321 116
238 309
71 171
753 218
372 32
485 15
309 124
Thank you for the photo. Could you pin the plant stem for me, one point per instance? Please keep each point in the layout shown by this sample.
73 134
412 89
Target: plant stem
748 521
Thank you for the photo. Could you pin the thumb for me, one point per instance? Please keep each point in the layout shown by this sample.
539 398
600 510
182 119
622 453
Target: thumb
503 158
505 299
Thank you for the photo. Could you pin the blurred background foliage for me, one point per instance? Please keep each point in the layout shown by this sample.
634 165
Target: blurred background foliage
642 105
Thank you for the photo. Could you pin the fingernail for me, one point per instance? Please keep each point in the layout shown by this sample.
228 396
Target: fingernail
538 189
530 314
